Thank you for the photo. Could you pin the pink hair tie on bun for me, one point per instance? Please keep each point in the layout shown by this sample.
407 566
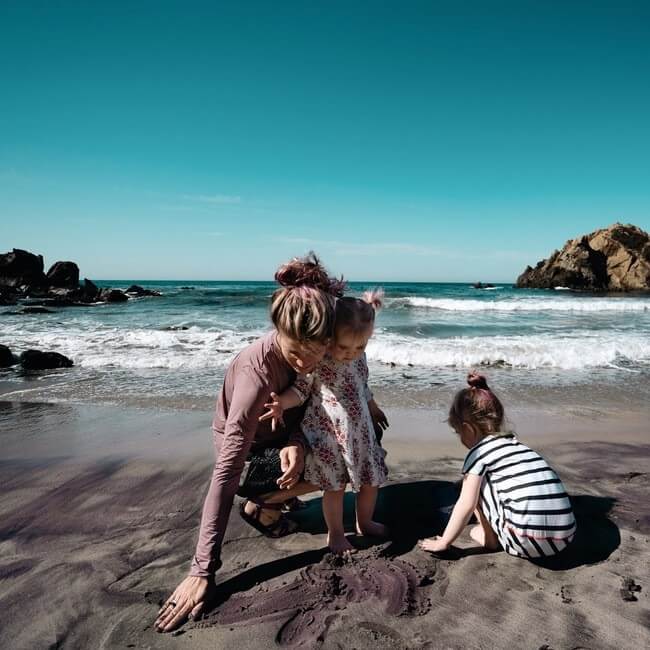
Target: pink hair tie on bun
477 381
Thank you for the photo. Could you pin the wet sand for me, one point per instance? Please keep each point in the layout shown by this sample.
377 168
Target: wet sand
100 508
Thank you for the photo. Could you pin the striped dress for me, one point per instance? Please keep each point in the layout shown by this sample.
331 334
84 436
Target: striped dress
522 497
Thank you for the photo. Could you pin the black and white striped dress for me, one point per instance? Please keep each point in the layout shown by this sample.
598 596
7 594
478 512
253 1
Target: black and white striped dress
522 497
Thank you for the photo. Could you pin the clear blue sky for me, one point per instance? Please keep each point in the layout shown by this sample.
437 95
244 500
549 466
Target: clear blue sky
434 141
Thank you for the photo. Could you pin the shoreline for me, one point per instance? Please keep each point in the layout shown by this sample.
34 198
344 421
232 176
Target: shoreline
92 431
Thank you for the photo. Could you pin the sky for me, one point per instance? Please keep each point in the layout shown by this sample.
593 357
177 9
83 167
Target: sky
402 141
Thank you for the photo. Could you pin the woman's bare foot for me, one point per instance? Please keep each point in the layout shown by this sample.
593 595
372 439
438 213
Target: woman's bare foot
340 545
477 533
266 517
373 529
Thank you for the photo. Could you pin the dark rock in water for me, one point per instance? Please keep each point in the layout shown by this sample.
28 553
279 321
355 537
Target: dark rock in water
89 290
113 295
35 310
611 259
480 285
64 275
58 301
141 291
7 359
20 268
37 360
7 298
176 328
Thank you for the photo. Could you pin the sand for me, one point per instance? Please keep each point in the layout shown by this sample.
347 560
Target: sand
100 508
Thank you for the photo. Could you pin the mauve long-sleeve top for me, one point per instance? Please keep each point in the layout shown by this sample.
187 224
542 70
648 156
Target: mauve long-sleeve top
253 374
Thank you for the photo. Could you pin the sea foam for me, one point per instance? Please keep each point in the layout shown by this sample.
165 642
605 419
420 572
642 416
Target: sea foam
583 349
525 304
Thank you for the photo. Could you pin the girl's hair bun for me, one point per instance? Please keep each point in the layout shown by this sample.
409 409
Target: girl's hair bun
308 272
477 381
375 298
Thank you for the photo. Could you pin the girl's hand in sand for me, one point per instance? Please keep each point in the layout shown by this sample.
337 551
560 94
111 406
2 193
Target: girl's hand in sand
292 462
187 601
275 411
433 544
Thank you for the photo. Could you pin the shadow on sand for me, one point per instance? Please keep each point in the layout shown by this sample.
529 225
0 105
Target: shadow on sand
421 509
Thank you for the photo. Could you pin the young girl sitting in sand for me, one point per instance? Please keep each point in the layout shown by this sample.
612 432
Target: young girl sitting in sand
518 499
340 421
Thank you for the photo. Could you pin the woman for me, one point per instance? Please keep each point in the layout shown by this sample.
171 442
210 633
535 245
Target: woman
302 312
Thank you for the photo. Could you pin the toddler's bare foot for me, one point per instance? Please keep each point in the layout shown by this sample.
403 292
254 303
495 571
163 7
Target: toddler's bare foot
373 529
340 545
478 535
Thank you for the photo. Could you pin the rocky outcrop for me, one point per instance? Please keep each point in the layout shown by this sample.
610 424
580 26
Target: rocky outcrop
22 281
7 359
610 259
113 295
37 360
137 290
19 268
64 275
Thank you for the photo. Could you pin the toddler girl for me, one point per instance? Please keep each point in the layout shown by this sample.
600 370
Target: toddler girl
339 422
518 499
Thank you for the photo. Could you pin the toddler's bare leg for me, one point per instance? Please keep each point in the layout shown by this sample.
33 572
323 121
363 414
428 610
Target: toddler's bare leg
482 533
333 513
366 500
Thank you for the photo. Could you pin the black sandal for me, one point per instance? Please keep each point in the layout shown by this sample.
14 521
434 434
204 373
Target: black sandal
279 528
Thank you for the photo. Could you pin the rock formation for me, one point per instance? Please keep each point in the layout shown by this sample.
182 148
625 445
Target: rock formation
64 275
610 259
37 360
20 268
23 281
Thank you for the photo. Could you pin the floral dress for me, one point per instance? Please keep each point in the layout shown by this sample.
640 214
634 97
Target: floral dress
339 428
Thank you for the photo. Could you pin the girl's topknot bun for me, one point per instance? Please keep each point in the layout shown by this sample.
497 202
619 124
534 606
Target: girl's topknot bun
477 381
375 298
309 272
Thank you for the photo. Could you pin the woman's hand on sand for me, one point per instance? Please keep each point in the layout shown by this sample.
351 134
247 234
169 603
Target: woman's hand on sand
433 544
292 462
274 413
187 601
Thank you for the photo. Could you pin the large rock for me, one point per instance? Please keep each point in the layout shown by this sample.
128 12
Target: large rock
139 291
610 259
63 275
20 268
89 292
7 359
37 360
112 295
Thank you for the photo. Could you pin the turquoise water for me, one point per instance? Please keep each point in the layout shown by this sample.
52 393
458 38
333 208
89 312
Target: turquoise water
174 349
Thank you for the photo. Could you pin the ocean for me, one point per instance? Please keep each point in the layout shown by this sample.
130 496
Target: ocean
172 351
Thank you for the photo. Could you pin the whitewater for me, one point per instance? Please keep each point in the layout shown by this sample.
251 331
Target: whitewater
181 343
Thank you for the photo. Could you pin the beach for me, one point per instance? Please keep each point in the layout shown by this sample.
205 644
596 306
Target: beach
105 466
101 506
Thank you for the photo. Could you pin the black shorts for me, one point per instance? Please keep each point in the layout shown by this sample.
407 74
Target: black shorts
261 472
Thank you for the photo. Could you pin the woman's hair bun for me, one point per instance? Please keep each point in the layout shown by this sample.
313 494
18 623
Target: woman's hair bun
308 272
475 380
